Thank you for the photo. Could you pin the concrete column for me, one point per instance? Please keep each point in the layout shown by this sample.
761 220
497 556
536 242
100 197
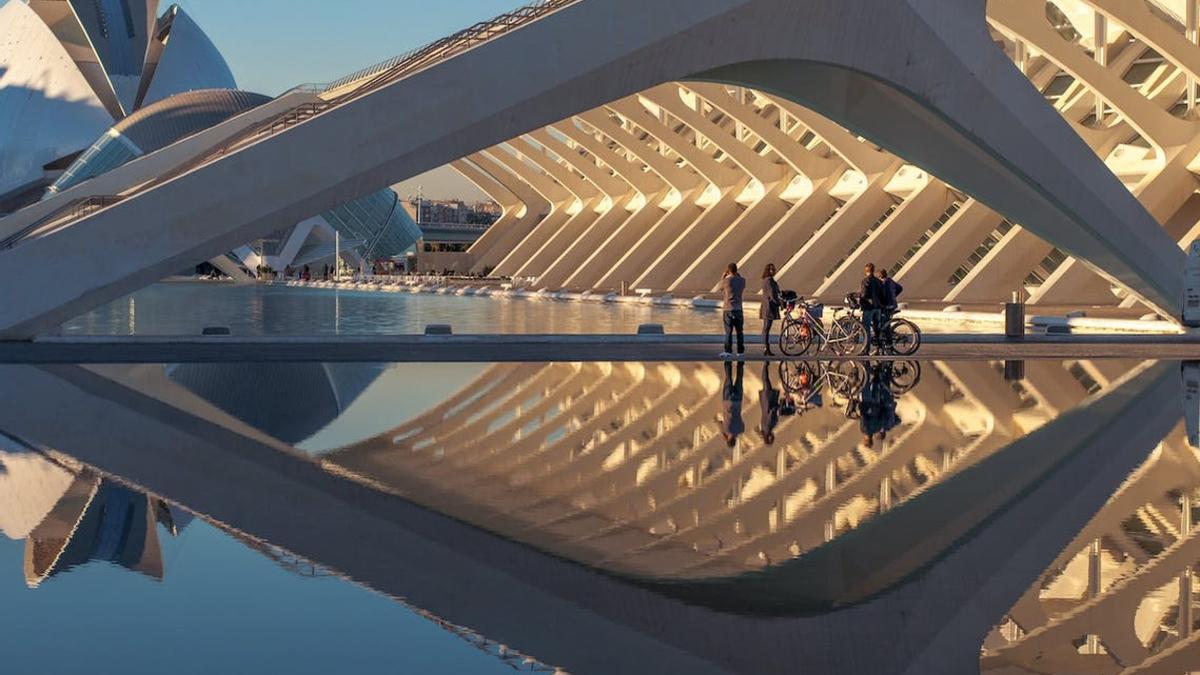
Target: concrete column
1193 35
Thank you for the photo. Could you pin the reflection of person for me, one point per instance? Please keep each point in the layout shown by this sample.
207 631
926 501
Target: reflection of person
768 401
732 425
877 404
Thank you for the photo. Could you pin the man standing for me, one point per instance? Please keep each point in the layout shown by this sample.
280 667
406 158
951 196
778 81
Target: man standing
871 300
732 285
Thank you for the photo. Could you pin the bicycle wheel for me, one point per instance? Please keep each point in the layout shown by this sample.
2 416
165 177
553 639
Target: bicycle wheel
848 337
905 376
795 338
846 378
906 337
797 376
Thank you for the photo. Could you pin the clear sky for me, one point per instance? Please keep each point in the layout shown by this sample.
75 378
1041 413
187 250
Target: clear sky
273 45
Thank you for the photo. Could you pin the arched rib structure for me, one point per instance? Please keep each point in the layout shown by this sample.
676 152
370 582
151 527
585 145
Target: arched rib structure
955 138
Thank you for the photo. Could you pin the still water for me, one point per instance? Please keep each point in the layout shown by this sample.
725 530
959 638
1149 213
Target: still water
187 308
1028 517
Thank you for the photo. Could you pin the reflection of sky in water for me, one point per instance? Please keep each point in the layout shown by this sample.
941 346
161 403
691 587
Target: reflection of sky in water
222 608
400 393
187 308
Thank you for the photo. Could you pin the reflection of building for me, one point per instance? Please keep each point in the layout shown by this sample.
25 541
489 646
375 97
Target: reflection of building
626 463
972 516
289 401
69 517
1124 592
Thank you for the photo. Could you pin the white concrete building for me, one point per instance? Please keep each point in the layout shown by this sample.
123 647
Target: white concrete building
1044 147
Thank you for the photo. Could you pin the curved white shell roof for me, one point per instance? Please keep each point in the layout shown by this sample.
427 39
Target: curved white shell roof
47 108
189 61
30 486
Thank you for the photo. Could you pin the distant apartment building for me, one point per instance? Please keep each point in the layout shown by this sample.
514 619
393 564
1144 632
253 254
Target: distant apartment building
453 211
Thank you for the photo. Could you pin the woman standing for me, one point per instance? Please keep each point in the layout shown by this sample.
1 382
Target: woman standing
768 309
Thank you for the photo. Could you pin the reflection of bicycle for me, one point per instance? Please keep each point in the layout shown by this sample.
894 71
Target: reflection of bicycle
803 325
903 376
803 381
898 336
806 379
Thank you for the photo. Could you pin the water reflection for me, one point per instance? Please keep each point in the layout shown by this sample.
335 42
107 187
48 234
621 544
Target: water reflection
69 516
640 527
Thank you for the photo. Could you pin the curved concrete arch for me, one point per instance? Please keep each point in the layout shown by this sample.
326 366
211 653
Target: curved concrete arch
668 98
700 162
801 159
1151 121
660 268
513 211
914 215
698 256
629 201
583 198
632 248
558 197
610 184
1071 282
787 233
602 207
536 209
589 204
921 79
667 171
1137 18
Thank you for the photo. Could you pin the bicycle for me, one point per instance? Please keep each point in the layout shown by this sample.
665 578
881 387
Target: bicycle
803 324
900 337
805 380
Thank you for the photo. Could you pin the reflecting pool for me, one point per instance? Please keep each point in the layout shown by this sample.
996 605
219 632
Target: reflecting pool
1021 517
187 308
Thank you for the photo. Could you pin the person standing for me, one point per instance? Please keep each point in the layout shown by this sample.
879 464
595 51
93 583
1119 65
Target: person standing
870 300
732 287
891 303
768 309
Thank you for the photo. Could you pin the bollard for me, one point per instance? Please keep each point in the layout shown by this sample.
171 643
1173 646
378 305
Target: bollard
1014 318
438 329
651 329
1014 371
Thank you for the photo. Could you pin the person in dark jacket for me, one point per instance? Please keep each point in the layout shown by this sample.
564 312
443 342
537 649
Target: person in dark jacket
871 299
732 286
891 303
768 309
891 293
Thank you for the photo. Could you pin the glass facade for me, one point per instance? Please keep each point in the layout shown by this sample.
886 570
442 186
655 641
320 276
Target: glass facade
380 221
111 151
